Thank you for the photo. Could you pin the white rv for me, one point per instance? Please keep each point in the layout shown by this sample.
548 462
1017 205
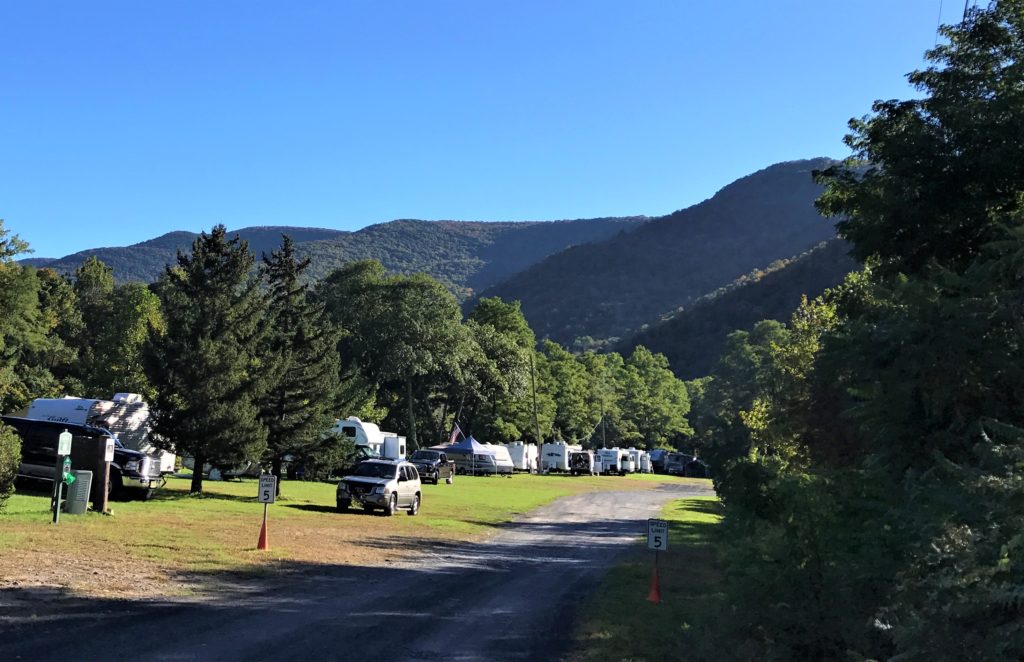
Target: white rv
126 415
611 460
581 463
555 456
387 444
645 463
524 456
632 459
502 459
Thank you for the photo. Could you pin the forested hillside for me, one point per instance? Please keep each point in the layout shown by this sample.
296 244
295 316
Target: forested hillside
612 288
693 338
465 256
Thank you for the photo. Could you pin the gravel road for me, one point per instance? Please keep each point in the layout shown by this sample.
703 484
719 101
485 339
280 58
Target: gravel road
512 597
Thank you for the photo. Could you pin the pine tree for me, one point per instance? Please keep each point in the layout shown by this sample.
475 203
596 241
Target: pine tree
206 367
302 348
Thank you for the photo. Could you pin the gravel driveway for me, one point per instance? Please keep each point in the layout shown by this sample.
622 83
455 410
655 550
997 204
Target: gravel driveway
512 597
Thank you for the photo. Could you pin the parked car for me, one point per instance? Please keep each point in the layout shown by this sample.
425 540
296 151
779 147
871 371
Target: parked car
130 469
384 484
433 466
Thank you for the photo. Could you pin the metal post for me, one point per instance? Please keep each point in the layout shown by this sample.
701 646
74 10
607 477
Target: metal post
54 499
56 508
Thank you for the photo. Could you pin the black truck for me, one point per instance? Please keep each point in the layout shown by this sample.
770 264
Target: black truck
131 473
433 466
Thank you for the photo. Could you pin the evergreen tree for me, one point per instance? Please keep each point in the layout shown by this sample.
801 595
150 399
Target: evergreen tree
301 345
205 367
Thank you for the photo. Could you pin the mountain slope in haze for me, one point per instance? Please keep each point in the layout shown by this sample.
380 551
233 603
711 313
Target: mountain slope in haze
465 255
146 260
693 338
610 289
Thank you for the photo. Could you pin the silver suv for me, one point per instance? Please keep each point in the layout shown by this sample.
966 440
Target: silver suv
385 484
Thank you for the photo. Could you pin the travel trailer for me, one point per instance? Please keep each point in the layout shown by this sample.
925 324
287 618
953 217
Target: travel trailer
387 444
581 463
611 460
503 463
524 456
555 456
126 416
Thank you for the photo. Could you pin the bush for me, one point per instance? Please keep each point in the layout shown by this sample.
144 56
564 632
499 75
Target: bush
10 459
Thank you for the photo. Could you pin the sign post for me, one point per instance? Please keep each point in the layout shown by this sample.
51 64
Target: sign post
61 472
657 539
266 495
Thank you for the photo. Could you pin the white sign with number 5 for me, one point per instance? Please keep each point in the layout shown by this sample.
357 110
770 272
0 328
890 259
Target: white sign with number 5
657 535
268 488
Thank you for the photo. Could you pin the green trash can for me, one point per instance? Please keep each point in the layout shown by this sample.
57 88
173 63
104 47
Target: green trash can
78 493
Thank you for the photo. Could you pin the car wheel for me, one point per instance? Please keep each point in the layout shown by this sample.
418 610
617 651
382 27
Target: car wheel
415 507
392 506
343 506
115 486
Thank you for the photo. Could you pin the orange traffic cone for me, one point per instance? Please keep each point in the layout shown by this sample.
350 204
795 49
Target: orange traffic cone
655 594
262 544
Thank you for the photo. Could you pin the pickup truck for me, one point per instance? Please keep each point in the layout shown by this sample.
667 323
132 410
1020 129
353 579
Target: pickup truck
130 470
433 466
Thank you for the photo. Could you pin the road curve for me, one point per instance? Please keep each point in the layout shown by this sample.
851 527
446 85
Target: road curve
512 597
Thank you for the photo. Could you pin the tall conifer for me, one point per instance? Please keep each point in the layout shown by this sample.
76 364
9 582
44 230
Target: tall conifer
302 348
205 367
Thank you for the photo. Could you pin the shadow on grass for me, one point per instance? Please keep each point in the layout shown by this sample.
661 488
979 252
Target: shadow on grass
311 507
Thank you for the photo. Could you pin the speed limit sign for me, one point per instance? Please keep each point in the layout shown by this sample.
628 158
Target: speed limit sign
657 535
268 488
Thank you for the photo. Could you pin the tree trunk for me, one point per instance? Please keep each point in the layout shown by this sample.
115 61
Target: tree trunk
275 468
412 417
197 474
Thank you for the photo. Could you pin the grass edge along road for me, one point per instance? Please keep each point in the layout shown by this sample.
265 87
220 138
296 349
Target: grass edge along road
618 623
176 535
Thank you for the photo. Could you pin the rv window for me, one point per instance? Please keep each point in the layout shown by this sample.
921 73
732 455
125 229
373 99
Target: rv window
349 431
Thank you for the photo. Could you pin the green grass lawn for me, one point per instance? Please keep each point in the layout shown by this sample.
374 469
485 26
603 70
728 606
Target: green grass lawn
618 623
177 532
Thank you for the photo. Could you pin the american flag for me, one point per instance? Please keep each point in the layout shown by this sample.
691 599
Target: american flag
456 433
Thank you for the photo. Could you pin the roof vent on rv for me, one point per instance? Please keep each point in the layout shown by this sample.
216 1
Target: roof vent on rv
127 398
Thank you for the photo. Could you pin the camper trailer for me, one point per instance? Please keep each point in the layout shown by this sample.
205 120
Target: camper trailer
126 415
502 459
524 456
581 463
611 460
387 444
636 460
645 463
555 456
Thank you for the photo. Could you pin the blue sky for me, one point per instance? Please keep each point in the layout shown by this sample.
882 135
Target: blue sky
120 121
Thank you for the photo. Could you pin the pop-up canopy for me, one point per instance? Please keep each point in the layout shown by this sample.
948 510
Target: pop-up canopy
469 445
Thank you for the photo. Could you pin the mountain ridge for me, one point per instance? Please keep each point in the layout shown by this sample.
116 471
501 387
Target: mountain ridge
609 289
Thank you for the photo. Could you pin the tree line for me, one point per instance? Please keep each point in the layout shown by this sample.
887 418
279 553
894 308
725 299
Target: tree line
869 453
249 360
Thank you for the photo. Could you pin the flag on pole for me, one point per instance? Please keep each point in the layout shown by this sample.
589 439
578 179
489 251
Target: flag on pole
456 433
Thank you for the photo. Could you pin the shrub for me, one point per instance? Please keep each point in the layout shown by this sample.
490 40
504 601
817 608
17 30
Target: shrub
10 459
